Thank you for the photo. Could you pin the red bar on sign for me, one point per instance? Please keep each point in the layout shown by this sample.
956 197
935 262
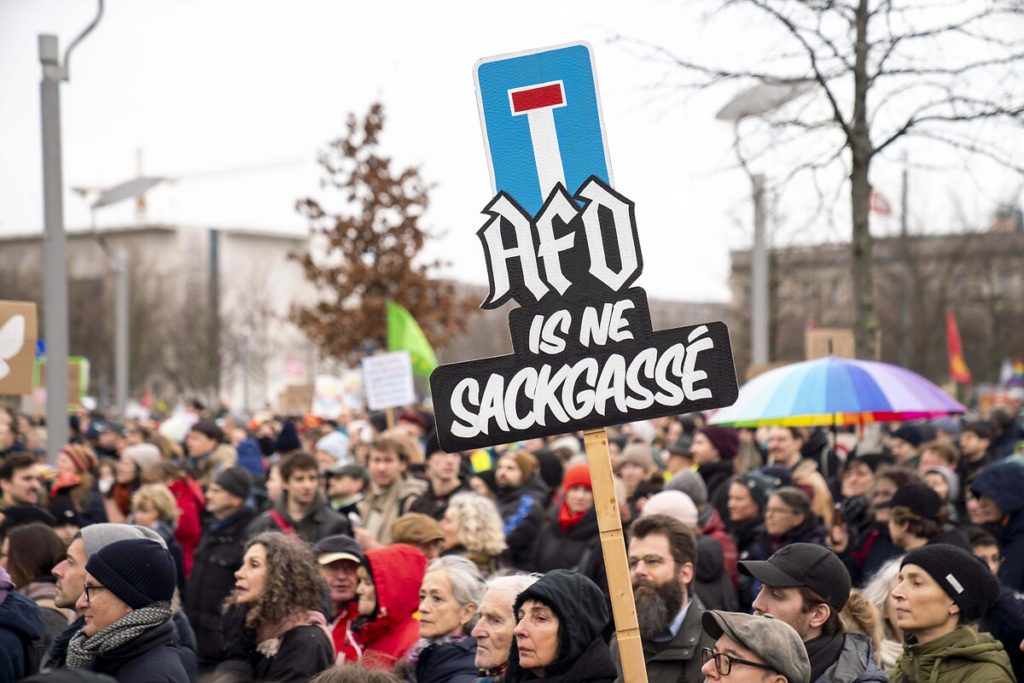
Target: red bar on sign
537 98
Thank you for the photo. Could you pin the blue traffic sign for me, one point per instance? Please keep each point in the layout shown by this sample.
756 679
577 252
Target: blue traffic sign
541 118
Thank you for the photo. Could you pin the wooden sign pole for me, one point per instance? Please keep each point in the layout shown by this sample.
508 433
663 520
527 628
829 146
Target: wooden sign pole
620 588
390 415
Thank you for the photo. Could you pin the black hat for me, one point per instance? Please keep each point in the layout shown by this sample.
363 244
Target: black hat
872 460
63 510
209 429
16 515
338 547
804 564
138 571
235 480
964 577
760 485
920 499
352 471
909 433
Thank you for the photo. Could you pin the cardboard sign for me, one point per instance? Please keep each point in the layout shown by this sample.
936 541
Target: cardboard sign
387 378
78 381
295 399
563 244
18 331
822 342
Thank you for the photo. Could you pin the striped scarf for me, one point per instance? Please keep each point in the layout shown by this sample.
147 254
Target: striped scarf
83 650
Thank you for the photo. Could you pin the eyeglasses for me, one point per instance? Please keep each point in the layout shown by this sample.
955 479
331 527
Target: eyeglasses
778 511
652 561
724 662
87 588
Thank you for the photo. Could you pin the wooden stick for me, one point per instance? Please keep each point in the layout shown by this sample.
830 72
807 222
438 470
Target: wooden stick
390 413
620 588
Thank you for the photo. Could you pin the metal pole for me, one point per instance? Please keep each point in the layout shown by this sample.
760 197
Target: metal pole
214 305
246 366
759 280
55 259
121 364
907 274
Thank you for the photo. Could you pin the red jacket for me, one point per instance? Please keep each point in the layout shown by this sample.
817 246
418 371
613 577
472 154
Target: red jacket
715 528
397 574
188 494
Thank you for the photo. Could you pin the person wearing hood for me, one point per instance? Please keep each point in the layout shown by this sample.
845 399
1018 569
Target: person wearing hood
944 482
807 586
1000 509
273 627
519 502
709 522
560 636
21 624
940 591
713 450
450 595
570 539
128 632
301 511
388 597
70 573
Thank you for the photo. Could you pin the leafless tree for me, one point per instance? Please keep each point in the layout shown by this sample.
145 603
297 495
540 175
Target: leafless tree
883 72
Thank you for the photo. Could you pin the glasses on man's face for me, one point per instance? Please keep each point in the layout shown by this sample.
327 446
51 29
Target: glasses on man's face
724 662
88 588
778 511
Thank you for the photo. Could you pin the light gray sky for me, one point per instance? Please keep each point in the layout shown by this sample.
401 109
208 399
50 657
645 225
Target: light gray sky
211 85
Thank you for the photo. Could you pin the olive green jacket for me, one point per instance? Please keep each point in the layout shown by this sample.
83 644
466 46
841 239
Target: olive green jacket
963 656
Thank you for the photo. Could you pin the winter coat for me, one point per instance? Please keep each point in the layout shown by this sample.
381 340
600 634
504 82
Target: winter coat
711 583
584 622
380 509
522 517
320 522
577 548
808 531
205 468
678 660
715 528
93 512
430 504
42 591
1004 483
153 657
166 532
216 559
965 655
874 549
1005 622
21 624
188 496
304 652
856 663
397 574
716 478
449 662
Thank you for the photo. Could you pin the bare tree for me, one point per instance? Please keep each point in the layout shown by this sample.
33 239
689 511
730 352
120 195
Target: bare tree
883 71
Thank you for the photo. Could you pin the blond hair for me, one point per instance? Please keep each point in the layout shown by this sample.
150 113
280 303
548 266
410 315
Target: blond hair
161 498
480 526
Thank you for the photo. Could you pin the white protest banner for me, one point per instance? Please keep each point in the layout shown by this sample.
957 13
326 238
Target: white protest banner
387 379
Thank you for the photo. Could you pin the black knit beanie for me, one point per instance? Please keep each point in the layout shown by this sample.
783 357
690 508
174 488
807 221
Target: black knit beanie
964 577
138 571
235 480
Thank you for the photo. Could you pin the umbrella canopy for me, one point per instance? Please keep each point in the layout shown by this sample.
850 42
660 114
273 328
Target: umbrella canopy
836 391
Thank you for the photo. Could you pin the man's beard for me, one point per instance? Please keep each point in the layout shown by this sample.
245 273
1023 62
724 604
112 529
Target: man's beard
658 607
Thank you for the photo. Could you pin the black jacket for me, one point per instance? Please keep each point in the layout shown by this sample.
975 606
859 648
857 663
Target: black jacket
678 660
304 652
153 657
716 477
584 623
578 548
522 517
433 505
452 662
217 557
320 522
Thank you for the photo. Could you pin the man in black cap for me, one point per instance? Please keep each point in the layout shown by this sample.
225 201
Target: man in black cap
807 586
339 557
346 486
216 559
903 444
758 649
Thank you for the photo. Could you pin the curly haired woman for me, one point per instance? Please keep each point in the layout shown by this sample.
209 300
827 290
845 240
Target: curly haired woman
473 529
273 627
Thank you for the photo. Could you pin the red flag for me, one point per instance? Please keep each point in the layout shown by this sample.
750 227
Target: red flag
958 370
878 203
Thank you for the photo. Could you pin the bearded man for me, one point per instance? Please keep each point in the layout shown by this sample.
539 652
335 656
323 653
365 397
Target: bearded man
662 567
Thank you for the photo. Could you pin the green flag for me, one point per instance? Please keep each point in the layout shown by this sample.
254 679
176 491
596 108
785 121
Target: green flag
404 334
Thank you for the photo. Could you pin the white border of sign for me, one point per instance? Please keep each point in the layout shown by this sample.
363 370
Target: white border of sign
387 378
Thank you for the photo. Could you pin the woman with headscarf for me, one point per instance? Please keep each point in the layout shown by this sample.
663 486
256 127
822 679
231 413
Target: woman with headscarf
449 598
562 622
570 539
473 529
274 630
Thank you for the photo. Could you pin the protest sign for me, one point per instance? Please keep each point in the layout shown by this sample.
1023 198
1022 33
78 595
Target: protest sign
562 243
387 380
328 397
18 332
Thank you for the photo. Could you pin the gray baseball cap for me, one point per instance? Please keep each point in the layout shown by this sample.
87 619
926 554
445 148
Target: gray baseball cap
774 641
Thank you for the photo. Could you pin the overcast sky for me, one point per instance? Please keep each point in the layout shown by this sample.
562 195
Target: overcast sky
253 89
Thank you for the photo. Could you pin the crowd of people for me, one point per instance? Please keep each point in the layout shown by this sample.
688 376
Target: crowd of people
294 549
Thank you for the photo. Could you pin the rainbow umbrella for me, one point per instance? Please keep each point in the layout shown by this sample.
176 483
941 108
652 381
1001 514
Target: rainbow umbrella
836 391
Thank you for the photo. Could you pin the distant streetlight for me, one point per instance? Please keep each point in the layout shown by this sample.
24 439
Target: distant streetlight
759 100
